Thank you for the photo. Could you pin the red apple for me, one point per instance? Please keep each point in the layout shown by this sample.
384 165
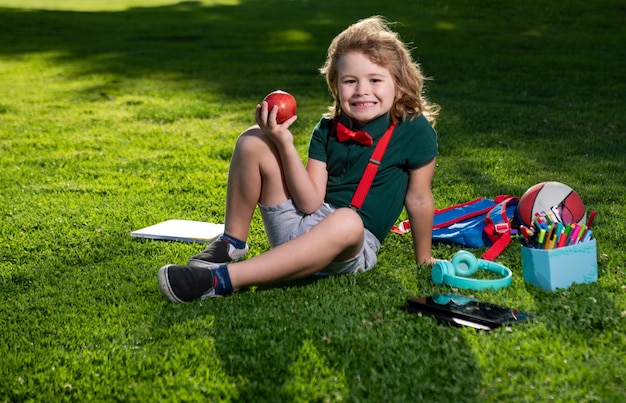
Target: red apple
286 105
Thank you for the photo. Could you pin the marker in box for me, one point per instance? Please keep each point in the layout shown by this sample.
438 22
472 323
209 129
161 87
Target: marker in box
592 216
547 218
540 224
583 228
549 238
587 236
574 235
542 234
553 218
553 237
557 235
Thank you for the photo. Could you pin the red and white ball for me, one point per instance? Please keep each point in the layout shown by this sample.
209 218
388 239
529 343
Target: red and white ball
543 197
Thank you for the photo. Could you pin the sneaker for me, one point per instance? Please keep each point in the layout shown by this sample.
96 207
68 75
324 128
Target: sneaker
219 252
185 283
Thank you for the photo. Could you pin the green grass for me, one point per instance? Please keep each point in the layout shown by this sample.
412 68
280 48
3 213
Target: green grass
118 115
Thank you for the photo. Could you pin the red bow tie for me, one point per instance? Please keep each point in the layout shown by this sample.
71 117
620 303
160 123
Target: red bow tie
345 134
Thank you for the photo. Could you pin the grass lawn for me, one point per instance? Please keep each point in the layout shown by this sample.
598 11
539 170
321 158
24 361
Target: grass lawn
115 115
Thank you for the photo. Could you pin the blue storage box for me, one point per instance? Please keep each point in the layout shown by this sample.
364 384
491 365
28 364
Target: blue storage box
561 267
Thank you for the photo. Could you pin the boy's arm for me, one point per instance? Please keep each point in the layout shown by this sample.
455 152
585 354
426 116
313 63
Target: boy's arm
306 185
420 207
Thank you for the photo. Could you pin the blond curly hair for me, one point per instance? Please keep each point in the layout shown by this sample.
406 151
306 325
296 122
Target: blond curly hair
374 38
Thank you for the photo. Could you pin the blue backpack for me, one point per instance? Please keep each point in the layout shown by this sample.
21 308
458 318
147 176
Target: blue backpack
474 224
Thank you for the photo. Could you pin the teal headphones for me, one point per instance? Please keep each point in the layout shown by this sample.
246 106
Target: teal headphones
464 264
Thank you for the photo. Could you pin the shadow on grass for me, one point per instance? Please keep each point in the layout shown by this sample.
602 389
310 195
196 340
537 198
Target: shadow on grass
527 85
344 340
213 46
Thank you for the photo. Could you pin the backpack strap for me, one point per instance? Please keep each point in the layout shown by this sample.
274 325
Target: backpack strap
498 225
370 170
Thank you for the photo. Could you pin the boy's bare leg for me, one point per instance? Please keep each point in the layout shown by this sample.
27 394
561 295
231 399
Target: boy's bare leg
255 176
338 237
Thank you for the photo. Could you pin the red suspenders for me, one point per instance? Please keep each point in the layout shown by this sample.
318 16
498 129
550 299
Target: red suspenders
371 169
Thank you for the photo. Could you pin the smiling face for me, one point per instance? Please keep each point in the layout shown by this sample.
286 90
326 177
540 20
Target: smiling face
366 90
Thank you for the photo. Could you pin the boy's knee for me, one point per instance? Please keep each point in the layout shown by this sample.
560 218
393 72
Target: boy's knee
250 135
252 131
350 224
252 140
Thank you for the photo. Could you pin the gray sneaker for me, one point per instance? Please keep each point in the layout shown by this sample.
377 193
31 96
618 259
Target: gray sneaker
219 252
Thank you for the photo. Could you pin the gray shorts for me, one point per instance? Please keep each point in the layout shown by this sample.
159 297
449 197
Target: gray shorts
284 222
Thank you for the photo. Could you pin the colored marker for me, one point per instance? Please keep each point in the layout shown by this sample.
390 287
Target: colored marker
592 217
568 229
548 238
574 235
553 237
547 218
562 240
540 224
559 229
542 234
557 235
583 229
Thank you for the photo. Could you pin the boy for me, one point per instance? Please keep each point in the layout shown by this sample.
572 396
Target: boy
306 210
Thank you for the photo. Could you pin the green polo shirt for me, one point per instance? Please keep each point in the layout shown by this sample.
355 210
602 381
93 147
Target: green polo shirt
413 144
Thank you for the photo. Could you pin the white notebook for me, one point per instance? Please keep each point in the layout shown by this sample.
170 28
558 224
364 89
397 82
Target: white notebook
181 230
